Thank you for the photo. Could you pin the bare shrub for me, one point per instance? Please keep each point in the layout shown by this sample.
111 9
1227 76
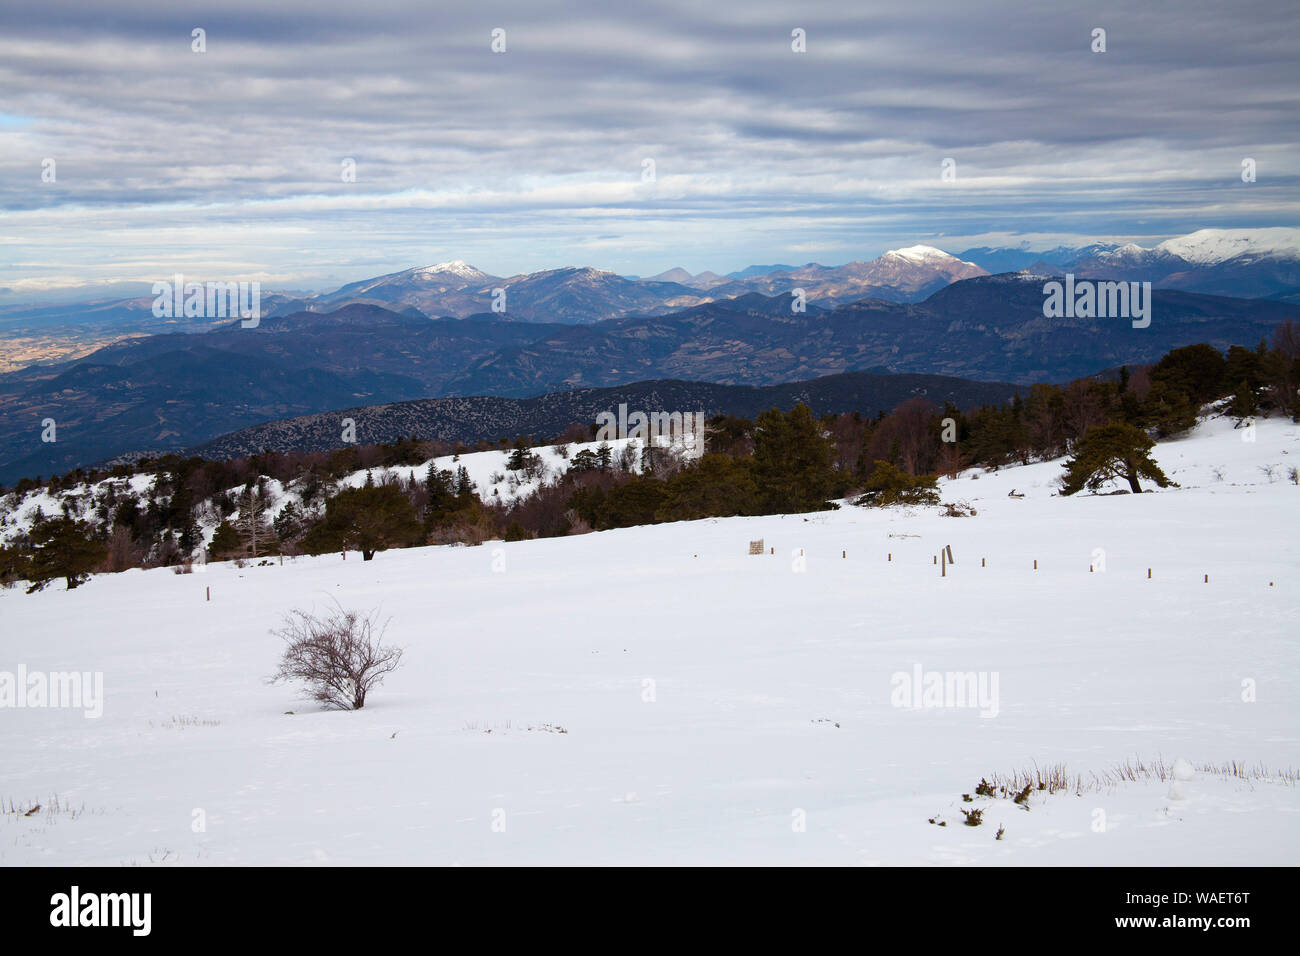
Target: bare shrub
339 655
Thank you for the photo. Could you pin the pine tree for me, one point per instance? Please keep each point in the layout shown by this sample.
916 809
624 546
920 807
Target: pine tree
63 548
1244 404
440 492
717 486
792 461
521 457
890 485
225 542
1112 451
369 519
464 484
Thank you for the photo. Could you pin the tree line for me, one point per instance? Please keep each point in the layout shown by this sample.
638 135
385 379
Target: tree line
779 462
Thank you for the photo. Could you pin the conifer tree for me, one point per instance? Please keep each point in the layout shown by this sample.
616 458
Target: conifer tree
63 548
1112 451
792 461
369 519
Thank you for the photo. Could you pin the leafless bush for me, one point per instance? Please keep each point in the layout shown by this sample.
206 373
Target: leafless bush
339 655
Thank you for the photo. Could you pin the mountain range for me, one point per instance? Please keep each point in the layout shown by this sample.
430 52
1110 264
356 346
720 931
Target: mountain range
175 390
1250 263
1246 263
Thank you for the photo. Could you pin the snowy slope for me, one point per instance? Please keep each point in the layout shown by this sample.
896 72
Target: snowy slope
494 482
768 702
1211 246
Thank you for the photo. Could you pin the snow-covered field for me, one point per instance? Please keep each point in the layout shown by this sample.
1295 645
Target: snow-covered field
658 695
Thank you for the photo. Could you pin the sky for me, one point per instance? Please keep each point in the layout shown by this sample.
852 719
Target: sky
230 163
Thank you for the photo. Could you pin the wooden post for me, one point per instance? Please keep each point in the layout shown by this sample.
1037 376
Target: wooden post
1035 564
208 589
1148 574
943 567
1207 579
844 554
773 550
936 559
981 562
948 549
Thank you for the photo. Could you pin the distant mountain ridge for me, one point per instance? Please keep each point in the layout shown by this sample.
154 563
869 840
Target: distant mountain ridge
1243 263
176 390
488 418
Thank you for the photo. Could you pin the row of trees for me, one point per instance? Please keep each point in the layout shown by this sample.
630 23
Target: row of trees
780 462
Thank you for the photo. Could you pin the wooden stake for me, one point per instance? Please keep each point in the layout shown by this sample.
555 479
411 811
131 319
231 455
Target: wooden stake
936 559
844 554
1035 564
943 567
1148 574
890 557
209 590
1207 579
981 562
1090 569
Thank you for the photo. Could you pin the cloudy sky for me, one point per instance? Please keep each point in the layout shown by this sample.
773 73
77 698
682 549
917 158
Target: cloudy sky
229 163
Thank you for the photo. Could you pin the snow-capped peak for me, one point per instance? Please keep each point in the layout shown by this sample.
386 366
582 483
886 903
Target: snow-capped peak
1210 246
456 267
921 253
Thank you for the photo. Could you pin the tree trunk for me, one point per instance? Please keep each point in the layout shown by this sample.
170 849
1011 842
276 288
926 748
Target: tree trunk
1130 470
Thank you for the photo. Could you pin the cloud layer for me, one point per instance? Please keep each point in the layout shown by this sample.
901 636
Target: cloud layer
229 162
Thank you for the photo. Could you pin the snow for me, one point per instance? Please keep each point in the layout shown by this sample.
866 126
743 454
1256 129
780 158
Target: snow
494 482
922 254
456 267
487 469
1211 246
659 696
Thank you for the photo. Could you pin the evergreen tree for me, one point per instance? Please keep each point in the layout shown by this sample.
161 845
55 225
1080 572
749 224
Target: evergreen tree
440 491
718 486
792 461
1244 404
369 519
521 458
890 485
1194 370
1112 451
464 484
225 543
289 523
584 461
63 548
